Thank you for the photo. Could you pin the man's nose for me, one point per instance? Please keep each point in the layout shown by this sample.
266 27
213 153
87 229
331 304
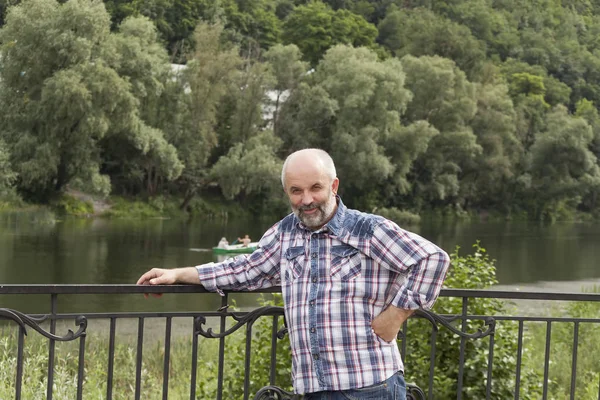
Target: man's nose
307 199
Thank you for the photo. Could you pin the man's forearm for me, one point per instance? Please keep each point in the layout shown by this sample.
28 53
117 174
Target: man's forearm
187 275
387 324
400 314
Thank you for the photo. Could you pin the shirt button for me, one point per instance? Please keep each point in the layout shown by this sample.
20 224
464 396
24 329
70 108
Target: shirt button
314 279
314 235
312 303
314 255
316 356
312 330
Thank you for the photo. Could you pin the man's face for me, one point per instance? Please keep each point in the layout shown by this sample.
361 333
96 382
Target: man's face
312 194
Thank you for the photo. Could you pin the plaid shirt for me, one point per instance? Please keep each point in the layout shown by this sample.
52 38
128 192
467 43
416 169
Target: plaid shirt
334 282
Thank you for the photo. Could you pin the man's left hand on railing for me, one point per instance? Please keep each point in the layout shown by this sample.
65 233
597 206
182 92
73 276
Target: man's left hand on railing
160 276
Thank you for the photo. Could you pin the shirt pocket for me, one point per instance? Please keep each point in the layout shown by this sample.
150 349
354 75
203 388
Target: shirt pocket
294 257
346 262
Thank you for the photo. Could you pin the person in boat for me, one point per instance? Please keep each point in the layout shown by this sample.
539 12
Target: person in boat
245 241
349 281
223 243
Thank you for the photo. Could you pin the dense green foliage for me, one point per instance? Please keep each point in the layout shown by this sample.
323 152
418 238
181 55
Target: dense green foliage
467 105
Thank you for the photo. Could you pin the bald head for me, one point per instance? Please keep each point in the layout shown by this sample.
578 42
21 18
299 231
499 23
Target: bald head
316 159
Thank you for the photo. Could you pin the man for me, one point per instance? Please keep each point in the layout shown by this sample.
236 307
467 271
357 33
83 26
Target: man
245 241
349 281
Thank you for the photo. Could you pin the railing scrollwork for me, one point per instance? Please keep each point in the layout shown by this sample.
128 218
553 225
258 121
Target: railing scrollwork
436 319
241 320
24 321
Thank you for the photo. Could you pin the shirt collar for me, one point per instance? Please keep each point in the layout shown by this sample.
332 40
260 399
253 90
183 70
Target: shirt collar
335 224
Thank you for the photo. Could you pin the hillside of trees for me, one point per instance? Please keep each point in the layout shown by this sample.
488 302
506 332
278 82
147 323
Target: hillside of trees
457 105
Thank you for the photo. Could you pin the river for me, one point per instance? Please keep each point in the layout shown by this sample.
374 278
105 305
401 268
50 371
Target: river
37 249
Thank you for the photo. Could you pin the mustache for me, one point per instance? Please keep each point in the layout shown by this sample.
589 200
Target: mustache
309 207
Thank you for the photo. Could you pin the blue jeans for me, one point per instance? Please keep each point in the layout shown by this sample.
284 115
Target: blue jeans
392 389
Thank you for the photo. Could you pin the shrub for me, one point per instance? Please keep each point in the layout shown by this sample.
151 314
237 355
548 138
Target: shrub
474 271
69 205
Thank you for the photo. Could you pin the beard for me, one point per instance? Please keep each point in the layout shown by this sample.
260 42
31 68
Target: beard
323 212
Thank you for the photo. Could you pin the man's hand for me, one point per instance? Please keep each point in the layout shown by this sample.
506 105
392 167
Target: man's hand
387 324
159 276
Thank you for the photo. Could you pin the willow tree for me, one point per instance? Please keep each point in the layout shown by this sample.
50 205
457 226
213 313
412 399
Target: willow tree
563 168
63 96
210 75
288 71
445 98
370 99
250 172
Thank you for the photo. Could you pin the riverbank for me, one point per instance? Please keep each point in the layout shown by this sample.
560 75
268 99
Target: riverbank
74 203
543 308
78 204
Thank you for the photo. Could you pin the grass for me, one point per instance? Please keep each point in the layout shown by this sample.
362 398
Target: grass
35 371
561 351
34 383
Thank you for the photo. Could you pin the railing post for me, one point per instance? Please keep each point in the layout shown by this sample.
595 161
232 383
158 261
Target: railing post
111 358
19 378
519 361
274 330
463 342
167 358
51 345
547 360
139 359
574 360
223 322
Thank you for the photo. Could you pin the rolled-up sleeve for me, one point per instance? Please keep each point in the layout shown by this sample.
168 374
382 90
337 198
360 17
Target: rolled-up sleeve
423 263
261 269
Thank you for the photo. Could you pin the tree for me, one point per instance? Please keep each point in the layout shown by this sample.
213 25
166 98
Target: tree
588 111
287 70
144 62
421 32
444 97
63 96
4 4
494 125
486 23
404 147
254 20
315 28
7 175
307 118
562 166
526 79
209 76
370 98
251 170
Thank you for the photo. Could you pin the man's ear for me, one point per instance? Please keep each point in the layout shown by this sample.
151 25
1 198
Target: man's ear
334 186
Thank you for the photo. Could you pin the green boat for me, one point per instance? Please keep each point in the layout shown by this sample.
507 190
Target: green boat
236 248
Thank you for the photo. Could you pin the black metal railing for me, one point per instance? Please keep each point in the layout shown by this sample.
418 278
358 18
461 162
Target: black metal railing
228 322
